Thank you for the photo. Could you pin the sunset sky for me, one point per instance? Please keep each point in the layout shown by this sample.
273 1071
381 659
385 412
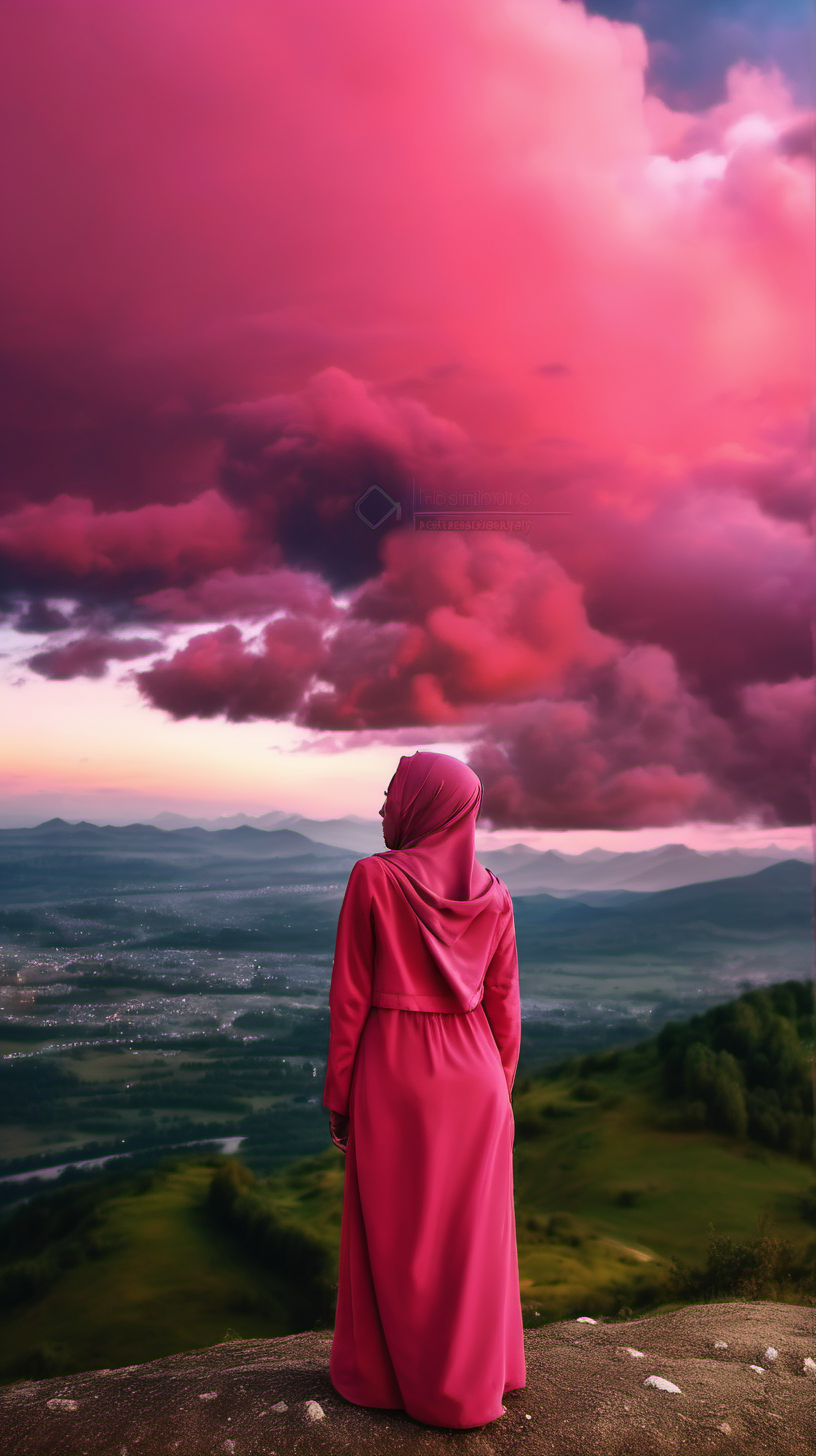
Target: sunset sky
543 272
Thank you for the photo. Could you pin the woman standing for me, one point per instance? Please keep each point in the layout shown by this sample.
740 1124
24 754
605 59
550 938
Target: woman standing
423 1049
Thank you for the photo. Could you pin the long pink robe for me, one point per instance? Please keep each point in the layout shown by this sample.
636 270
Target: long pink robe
423 1049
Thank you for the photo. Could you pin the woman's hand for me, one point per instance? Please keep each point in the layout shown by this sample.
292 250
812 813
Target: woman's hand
339 1129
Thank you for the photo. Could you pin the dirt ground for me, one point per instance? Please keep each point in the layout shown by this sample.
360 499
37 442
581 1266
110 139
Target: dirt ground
585 1396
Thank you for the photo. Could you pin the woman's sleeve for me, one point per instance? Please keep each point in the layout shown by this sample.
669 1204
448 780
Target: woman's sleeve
351 986
501 999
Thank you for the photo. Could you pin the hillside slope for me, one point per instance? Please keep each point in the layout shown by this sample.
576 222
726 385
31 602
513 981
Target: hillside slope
621 1171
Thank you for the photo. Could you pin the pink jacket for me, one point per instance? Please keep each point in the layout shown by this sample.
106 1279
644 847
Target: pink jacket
403 948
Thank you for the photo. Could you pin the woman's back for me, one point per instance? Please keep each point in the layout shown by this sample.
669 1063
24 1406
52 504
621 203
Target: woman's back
423 1048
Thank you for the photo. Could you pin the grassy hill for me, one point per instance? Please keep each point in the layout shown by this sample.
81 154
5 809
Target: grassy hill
624 1162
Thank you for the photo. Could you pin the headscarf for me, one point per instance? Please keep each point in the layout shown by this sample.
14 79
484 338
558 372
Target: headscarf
429 823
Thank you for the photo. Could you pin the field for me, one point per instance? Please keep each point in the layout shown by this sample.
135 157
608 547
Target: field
611 1186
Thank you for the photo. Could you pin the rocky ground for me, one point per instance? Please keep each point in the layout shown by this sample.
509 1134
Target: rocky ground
745 1378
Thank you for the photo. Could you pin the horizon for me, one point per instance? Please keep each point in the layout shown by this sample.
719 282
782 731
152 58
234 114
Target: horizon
491 839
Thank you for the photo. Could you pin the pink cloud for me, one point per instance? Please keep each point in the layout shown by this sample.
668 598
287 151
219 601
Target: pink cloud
218 673
252 596
89 656
263 258
67 542
639 749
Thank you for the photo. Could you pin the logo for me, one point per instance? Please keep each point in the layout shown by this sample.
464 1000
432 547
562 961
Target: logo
375 507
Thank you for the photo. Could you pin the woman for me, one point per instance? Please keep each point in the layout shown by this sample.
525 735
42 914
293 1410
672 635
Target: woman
423 1049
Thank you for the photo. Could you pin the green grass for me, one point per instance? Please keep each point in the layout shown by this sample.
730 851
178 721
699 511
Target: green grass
168 1281
611 1185
637 1194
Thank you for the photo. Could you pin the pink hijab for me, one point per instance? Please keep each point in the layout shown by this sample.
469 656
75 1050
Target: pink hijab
429 825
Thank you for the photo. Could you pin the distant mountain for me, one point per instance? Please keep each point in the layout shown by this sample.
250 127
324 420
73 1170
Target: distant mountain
529 871
349 832
769 911
273 820
525 870
193 843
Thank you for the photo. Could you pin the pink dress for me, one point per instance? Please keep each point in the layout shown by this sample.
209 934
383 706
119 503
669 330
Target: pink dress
423 1049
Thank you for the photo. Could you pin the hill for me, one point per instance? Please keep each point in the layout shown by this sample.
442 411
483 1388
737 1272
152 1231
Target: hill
529 871
619 1179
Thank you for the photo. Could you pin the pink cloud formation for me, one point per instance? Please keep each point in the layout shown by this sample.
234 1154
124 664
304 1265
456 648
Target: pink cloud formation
447 248
89 656
68 544
217 673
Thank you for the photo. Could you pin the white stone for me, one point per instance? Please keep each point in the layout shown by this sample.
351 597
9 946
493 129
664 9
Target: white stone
720 1344
658 1383
770 1353
60 1404
725 1428
809 1366
314 1412
280 1406
584 1319
208 1395
758 1368
636 1354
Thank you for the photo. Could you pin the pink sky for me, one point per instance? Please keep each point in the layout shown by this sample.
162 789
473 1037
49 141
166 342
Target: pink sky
261 257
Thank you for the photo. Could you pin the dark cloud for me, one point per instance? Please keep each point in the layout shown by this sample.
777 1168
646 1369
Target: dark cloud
298 465
218 673
89 656
637 749
40 617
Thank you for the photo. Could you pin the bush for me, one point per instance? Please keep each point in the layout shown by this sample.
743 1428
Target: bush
765 1267
292 1252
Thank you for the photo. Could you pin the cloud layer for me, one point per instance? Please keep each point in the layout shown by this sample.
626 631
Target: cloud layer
454 252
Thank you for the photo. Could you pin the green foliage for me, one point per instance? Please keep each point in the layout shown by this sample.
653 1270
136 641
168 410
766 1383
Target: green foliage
237 1203
745 1068
52 1233
765 1267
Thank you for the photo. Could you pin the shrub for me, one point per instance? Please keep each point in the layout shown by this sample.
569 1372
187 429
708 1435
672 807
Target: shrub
292 1252
765 1267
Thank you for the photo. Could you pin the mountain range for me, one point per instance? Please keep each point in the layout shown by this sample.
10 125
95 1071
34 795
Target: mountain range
317 844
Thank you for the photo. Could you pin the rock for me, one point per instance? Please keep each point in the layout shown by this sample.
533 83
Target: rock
584 1319
658 1383
770 1353
314 1412
720 1344
583 1398
758 1368
636 1354
208 1395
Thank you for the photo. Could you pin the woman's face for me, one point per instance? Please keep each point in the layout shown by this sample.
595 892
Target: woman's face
386 814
